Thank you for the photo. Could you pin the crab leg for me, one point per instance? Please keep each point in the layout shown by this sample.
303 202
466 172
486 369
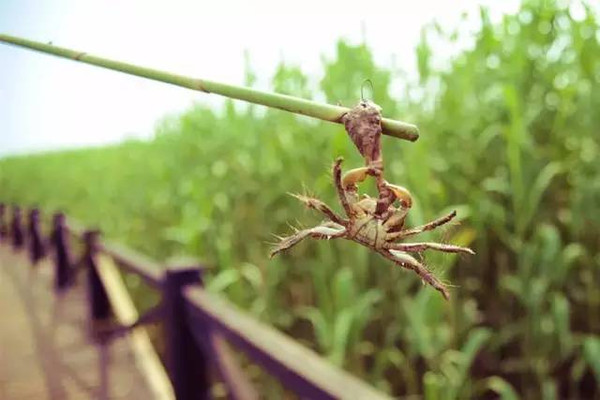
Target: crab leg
407 261
423 228
337 180
318 205
325 231
419 247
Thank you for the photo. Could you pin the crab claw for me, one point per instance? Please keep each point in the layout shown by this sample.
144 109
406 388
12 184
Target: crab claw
401 193
354 176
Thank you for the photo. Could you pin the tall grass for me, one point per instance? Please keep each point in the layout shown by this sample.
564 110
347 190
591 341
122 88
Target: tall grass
509 138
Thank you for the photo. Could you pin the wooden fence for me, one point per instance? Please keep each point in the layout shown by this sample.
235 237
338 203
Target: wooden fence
197 324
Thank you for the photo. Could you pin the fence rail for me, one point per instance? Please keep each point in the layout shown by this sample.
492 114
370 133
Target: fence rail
197 324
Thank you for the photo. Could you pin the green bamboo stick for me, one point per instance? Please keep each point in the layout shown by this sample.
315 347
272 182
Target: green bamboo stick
297 105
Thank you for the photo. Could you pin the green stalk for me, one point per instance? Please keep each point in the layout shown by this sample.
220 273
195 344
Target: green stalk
296 105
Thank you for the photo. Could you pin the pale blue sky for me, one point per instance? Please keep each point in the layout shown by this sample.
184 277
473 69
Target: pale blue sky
48 103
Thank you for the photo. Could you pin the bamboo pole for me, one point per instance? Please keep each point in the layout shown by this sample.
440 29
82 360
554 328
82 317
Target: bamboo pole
296 105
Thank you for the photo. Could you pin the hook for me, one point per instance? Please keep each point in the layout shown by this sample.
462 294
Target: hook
362 96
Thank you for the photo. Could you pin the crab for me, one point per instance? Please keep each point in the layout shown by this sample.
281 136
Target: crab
381 232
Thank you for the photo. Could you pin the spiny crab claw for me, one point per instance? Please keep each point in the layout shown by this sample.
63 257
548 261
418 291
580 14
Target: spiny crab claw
401 193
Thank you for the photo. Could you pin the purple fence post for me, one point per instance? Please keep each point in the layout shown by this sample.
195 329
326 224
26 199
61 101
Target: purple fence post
36 246
17 229
97 297
185 361
3 227
62 256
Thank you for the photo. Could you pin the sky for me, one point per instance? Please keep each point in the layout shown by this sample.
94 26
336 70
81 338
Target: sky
52 103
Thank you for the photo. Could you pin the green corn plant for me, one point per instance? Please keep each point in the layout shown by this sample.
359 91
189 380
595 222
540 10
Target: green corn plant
452 382
341 329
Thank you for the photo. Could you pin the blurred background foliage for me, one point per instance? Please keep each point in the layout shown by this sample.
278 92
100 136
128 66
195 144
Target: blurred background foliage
509 139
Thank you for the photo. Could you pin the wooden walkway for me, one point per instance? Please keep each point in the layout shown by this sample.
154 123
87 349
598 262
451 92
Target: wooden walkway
47 347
